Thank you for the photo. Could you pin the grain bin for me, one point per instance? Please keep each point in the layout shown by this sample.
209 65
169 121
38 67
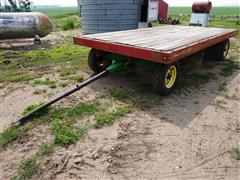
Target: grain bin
109 15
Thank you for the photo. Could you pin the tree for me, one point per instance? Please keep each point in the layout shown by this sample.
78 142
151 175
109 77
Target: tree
15 6
25 5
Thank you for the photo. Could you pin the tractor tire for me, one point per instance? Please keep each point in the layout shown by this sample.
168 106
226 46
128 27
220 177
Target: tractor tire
218 52
97 62
165 78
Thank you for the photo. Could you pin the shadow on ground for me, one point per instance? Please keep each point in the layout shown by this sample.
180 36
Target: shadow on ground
197 89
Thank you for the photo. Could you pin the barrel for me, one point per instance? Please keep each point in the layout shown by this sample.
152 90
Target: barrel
202 7
24 25
109 15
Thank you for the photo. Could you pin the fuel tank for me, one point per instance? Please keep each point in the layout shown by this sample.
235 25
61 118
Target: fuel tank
202 7
24 25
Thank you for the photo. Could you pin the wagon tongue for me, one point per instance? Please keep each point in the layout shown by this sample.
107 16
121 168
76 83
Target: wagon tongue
116 66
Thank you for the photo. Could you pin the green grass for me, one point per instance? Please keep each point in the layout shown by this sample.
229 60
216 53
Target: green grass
32 107
76 111
67 54
119 94
222 87
66 134
219 104
68 25
216 11
223 17
76 78
104 119
9 135
62 17
46 82
18 76
236 154
57 12
29 167
18 70
45 149
68 115
66 71
63 84
229 68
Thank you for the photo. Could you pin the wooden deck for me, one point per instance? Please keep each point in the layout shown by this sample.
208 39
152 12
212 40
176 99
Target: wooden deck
164 44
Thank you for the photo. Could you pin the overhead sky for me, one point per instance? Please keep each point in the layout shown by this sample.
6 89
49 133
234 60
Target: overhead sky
170 2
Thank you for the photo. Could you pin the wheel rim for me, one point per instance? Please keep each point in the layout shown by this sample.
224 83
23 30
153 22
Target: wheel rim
101 62
170 77
226 49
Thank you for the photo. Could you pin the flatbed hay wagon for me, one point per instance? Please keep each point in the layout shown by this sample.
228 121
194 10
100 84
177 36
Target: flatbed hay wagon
159 47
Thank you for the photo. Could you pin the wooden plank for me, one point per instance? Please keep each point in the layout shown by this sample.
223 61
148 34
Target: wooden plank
163 44
160 38
195 38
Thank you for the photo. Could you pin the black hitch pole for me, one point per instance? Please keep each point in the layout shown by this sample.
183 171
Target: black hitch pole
88 81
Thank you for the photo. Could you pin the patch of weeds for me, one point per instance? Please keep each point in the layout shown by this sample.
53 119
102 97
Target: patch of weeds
40 91
65 114
9 135
219 104
32 107
67 55
222 87
16 76
78 110
29 167
104 119
63 84
68 24
229 68
46 82
45 149
50 94
65 134
66 71
236 154
119 94
69 114
76 78
54 86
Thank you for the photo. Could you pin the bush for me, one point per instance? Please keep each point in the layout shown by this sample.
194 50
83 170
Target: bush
68 24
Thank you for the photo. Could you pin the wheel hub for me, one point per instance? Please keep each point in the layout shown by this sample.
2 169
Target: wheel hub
171 76
226 49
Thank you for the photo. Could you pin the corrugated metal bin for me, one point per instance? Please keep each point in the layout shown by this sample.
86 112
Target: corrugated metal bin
109 15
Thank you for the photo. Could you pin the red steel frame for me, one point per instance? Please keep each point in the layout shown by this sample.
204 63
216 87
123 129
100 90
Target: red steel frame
164 57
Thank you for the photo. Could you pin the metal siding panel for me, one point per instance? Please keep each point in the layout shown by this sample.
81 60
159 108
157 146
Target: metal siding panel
107 15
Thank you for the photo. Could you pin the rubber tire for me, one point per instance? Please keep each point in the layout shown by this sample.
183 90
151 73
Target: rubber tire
158 79
93 62
216 52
